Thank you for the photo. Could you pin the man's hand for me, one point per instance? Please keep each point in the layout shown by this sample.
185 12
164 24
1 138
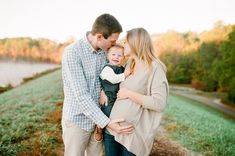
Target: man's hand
103 98
115 126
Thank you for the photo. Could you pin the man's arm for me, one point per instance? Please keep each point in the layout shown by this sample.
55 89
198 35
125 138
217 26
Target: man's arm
75 75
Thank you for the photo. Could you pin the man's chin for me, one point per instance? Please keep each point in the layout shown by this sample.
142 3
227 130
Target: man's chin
105 49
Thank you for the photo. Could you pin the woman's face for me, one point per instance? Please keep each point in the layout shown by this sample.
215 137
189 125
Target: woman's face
127 49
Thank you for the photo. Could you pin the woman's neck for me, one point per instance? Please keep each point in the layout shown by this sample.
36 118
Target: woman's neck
136 64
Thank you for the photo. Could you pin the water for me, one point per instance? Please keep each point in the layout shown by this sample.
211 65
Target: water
13 72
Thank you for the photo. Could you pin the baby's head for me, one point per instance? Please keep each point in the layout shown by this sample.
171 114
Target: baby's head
116 55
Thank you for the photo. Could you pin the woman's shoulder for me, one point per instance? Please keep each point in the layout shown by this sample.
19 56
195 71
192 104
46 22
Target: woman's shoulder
158 65
158 71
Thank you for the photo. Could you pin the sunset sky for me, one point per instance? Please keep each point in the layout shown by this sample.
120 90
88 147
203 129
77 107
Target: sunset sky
60 19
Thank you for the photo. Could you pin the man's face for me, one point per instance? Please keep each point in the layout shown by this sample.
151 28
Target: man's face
105 44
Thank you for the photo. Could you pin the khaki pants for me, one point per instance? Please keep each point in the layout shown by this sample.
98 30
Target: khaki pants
78 142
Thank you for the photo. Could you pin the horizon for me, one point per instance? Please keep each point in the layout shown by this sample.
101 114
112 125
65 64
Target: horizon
61 20
152 34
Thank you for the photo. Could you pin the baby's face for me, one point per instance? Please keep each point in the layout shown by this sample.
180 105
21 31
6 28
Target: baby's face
115 56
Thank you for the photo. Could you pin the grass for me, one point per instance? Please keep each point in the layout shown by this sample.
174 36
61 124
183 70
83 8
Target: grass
26 122
199 127
31 114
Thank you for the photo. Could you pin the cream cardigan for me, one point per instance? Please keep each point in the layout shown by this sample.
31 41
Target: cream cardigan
146 118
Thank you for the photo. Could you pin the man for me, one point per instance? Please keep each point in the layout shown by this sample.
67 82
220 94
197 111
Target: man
82 63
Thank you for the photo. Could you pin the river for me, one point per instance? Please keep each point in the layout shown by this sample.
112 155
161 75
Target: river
13 72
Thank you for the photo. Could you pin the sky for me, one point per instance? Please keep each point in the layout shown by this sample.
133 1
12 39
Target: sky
59 20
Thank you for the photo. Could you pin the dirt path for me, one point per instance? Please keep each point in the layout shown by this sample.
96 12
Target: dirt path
164 145
193 94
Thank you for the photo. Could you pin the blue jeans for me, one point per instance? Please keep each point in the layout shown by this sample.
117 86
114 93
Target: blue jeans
113 148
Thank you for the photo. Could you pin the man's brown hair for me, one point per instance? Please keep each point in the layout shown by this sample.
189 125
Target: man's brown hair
106 24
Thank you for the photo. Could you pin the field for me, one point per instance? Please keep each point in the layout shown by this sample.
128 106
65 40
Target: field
30 117
199 127
31 114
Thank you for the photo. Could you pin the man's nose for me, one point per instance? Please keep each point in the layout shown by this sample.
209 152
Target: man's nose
113 44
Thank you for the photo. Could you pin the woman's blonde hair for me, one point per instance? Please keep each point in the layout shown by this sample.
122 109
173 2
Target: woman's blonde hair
141 44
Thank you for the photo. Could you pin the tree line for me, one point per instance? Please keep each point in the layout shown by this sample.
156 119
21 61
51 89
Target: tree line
26 48
206 61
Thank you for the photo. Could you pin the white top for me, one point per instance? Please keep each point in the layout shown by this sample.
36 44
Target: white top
108 74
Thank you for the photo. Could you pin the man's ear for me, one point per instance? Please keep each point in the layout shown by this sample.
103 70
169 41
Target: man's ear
99 36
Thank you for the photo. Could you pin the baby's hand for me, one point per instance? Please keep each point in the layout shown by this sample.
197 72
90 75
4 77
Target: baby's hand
127 72
103 99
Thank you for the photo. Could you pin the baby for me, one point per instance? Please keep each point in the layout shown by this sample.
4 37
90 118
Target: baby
112 74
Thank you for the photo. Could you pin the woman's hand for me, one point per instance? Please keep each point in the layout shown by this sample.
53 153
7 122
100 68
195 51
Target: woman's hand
123 93
103 98
127 72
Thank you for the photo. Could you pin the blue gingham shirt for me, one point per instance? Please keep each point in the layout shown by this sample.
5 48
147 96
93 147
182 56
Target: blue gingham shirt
81 67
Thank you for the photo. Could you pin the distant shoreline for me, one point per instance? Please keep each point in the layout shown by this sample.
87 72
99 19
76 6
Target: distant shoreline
26 79
16 72
28 60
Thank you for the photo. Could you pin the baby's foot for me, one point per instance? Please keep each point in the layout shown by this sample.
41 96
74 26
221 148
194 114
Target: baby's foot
98 135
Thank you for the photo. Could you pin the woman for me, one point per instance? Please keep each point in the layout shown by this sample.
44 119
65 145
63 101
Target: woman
141 98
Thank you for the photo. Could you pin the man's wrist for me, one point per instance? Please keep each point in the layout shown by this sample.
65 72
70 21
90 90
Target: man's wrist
108 121
105 123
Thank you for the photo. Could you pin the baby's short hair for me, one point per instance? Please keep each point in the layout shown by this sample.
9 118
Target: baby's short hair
118 46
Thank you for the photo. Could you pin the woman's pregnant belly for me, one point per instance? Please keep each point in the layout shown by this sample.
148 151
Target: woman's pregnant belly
127 110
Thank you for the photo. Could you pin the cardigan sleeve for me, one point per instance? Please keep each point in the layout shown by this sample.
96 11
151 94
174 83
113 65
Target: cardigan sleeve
157 98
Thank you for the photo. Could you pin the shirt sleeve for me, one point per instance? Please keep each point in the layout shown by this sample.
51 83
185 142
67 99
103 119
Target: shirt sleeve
159 91
108 74
78 84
